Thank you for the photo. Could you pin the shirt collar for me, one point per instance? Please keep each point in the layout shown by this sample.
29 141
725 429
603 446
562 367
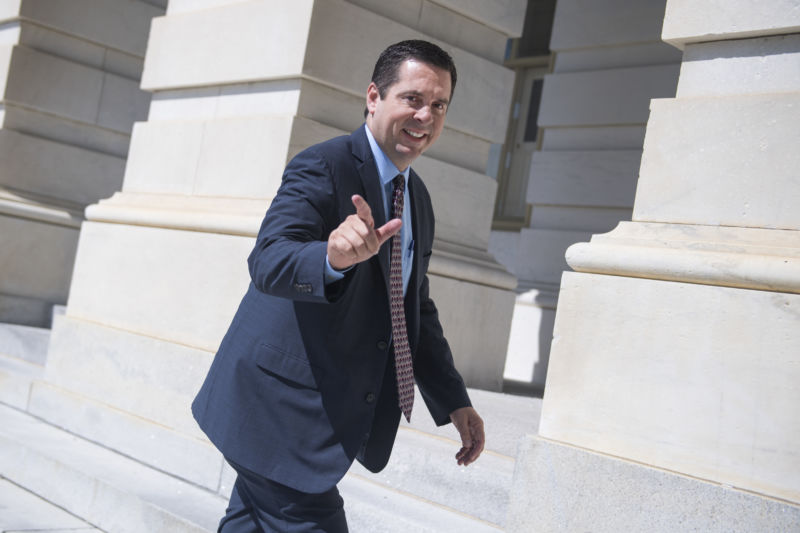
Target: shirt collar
386 169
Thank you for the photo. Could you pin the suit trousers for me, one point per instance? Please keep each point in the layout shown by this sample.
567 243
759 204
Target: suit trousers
259 505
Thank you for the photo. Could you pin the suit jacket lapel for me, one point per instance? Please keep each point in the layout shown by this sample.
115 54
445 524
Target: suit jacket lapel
368 172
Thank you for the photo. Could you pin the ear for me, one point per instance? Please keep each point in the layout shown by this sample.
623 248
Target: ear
372 97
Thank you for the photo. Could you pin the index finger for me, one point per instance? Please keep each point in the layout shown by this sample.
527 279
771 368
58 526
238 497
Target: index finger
362 210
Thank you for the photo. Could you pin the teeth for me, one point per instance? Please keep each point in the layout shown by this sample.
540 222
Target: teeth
415 135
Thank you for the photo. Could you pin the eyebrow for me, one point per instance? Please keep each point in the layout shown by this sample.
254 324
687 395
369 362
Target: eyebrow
444 101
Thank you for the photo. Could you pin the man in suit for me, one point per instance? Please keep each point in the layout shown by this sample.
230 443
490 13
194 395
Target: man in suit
316 367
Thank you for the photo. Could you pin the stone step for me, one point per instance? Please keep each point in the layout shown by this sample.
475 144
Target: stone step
371 507
113 492
423 460
424 465
507 419
16 378
21 510
24 342
118 494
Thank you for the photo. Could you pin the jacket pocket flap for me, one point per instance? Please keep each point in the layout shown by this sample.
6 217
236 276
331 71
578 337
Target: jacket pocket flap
287 366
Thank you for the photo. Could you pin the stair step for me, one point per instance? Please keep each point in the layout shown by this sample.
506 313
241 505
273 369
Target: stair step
371 508
16 377
507 420
24 342
121 495
111 491
425 465
21 510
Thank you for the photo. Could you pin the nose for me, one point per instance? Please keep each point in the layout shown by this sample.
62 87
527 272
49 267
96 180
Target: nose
423 114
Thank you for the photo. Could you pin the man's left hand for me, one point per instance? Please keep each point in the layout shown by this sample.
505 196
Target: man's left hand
470 427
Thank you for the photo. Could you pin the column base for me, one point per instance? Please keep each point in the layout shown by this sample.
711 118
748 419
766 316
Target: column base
562 488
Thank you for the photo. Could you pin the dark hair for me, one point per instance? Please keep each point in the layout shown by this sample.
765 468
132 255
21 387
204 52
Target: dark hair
385 73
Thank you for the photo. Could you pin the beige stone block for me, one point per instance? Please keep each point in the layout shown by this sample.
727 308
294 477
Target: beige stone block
73 91
688 21
9 9
187 299
462 201
746 66
563 488
584 219
696 379
120 25
455 25
25 311
243 157
592 178
184 6
140 375
240 42
595 138
229 216
591 23
752 258
57 170
229 157
60 44
123 64
617 56
65 131
722 161
604 97
279 97
505 15
442 22
309 39
163 157
478 106
41 270
53 84
529 340
478 338
121 104
548 247
5 63
186 104
504 247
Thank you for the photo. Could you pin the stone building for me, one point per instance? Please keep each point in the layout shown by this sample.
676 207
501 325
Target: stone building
663 132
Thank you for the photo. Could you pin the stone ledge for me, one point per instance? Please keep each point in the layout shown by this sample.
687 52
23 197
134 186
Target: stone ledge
749 258
561 488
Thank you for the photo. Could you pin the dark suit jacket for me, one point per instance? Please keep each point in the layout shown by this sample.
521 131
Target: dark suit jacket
303 382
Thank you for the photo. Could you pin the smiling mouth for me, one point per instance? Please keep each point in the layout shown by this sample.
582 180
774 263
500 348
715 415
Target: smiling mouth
414 134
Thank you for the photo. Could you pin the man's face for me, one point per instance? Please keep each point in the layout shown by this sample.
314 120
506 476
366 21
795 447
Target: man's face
411 115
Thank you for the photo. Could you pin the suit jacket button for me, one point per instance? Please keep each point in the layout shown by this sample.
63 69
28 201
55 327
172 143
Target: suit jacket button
369 398
382 345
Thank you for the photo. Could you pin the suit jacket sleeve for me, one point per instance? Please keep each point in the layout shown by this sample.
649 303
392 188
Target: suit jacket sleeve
288 259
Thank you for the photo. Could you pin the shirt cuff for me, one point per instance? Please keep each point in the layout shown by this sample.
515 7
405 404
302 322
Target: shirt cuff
332 275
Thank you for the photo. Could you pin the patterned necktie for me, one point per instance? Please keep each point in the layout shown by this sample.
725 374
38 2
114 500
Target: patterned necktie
402 352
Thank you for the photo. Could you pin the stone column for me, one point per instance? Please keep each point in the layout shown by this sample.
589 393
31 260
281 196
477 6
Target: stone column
238 89
608 63
69 85
672 399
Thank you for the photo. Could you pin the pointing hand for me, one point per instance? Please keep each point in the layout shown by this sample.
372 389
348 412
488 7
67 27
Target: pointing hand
356 239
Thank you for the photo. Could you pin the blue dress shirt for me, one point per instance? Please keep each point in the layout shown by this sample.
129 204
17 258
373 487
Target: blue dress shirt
387 171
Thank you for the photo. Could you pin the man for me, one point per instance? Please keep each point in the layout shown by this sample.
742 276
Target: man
337 324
